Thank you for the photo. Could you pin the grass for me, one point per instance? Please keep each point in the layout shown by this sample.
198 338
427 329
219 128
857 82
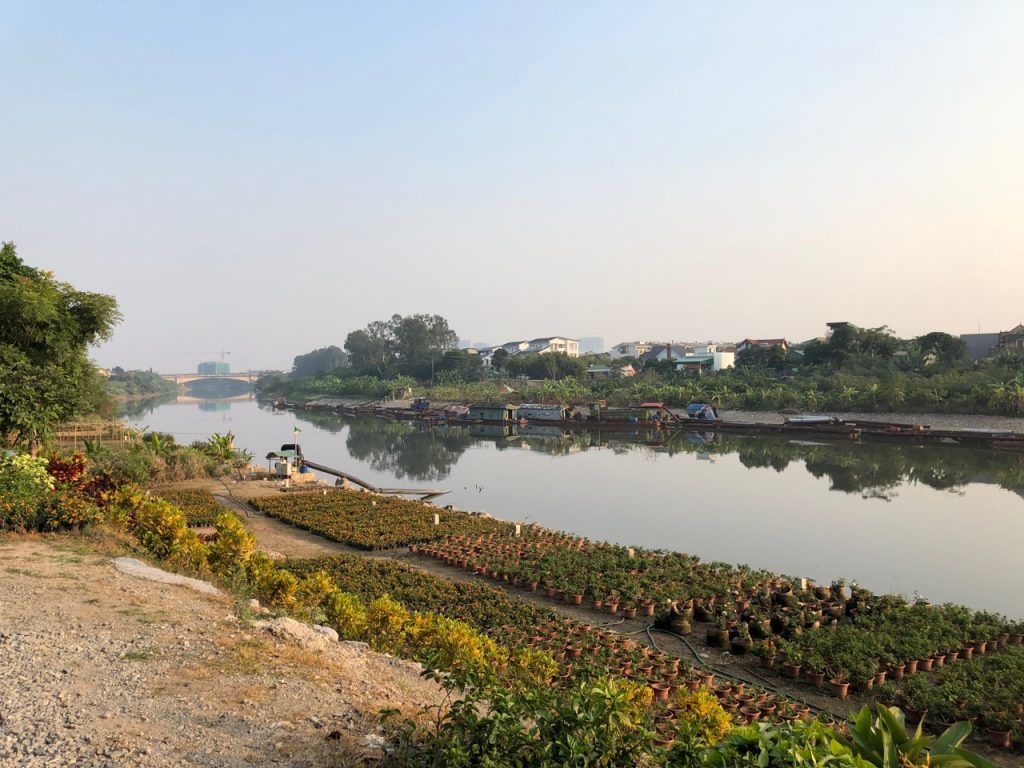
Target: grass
24 572
144 616
143 654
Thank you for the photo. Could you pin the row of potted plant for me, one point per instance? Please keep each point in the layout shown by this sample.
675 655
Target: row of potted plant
741 604
198 504
987 690
579 650
371 521
904 639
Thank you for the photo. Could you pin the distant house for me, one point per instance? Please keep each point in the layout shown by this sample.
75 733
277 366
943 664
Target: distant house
609 372
746 344
633 348
696 364
555 344
541 346
1011 340
665 352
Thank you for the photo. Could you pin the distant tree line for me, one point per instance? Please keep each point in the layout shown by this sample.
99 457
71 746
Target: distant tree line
855 369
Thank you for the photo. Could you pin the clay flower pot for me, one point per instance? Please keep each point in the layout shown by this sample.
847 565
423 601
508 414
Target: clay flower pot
840 689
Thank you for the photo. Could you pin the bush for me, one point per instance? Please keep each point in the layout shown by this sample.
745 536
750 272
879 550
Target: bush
25 486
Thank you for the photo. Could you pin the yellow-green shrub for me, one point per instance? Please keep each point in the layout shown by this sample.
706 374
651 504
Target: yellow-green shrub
233 547
273 586
701 711
387 623
346 613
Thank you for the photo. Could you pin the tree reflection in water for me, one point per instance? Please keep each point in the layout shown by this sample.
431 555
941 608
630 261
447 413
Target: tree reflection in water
874 470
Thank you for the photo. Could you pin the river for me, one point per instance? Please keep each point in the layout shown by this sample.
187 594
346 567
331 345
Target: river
945 522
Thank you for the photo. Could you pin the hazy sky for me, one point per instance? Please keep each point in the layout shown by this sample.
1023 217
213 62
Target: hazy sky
263 178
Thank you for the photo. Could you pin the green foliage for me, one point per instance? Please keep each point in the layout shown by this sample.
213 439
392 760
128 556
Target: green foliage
407 345
600 722
765 745
46 328
124 384
319 362
883 741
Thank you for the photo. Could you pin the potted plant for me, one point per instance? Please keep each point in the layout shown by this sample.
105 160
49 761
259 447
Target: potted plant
1000 728
767 650
742 642
840 685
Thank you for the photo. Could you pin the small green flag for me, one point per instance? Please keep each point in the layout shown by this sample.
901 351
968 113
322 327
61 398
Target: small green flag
296 429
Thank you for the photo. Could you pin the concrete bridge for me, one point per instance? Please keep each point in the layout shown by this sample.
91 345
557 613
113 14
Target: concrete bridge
187 378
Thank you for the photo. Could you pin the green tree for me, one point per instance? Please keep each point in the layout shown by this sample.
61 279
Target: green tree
319 362
46 329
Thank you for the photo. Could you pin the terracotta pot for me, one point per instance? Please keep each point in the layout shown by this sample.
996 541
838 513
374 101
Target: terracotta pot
629 613
750 713
896 673
939 659
597 605
952 656
880 677
768 662
1000 739
840 689
911 666
924 665
660 691
791 671
815 678
574 599
648 609
966 653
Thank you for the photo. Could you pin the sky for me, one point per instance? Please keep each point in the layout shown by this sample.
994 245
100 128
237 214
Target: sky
259 179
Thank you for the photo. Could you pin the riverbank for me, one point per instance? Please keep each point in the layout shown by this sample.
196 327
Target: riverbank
935 419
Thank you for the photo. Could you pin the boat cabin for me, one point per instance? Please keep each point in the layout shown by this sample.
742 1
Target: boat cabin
488 412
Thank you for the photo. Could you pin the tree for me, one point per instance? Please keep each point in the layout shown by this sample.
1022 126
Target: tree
946 350
410 345
319 362
46 328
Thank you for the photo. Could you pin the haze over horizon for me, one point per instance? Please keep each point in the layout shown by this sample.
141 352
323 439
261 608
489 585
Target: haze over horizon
264 179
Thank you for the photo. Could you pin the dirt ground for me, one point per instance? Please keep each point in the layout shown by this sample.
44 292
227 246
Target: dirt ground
104 669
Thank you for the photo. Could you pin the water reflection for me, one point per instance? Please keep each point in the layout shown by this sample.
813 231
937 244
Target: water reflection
873 470
404 449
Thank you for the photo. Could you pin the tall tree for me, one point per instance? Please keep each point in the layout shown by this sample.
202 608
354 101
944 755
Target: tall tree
319 362
46 329
402 344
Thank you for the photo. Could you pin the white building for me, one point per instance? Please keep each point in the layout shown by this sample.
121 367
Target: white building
540 346
634 348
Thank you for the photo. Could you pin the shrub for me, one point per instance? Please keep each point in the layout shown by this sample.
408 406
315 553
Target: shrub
25 485
233 547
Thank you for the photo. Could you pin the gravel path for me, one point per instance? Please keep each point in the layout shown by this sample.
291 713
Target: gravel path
103 669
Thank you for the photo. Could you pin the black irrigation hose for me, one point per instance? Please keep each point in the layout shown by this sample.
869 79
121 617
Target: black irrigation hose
733 676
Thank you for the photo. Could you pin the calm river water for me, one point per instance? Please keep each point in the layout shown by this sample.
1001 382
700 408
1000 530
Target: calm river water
946 522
